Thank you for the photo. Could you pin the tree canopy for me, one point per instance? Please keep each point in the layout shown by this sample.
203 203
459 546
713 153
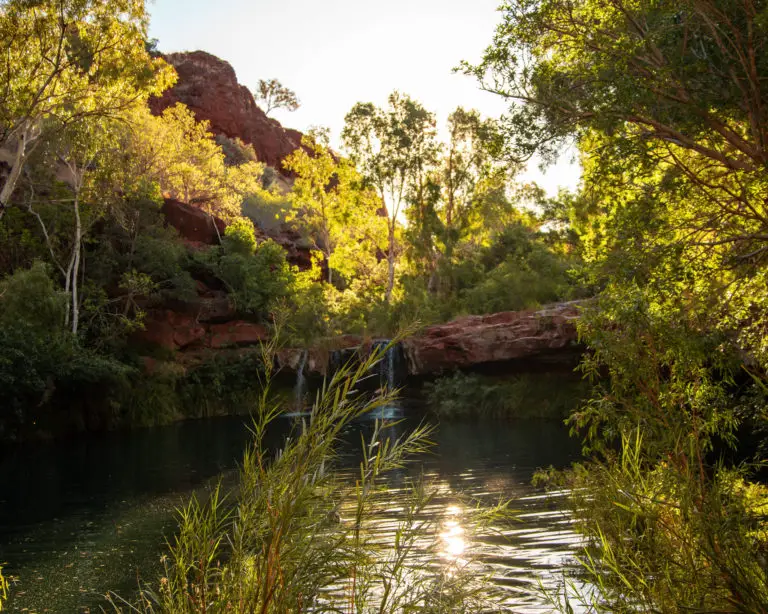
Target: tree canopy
666 104
69 61
275 95
392 147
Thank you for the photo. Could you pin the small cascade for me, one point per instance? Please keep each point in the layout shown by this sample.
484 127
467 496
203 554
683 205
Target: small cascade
301 381
381 366
389 365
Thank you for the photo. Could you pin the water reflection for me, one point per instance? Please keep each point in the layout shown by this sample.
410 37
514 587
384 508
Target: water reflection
453 545
80 517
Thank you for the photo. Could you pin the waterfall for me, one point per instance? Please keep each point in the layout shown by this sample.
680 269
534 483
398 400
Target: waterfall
300 381
388 365
389 376
391 366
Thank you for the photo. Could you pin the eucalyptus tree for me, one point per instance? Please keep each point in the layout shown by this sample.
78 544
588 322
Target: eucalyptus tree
464 197
393 147
275 95
65 61
332 201
677 87
182 156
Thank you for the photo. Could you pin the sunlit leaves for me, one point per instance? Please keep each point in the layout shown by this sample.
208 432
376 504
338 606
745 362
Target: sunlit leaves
180 155
339 211
72 59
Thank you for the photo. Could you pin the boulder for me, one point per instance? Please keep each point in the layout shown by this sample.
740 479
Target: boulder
470 341
237 333
215 309
194 225
156 332
184 336
171 330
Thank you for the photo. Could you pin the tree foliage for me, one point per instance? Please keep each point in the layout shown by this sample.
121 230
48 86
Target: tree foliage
340 213
275 95
69 61
665 102
392 147
180 156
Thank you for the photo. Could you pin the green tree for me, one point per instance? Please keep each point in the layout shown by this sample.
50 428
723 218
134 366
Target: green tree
393 148
666 102
181 156
333 203
69 60
677 87
464 197
275 95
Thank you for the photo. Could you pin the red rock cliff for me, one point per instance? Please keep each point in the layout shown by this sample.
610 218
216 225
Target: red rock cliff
209 87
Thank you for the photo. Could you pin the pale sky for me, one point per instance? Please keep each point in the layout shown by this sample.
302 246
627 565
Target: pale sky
334 53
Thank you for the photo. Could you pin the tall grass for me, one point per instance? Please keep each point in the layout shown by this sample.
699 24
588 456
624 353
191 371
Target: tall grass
3 589
664 537
296 537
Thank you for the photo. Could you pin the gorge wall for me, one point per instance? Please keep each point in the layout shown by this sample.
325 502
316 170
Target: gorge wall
209 87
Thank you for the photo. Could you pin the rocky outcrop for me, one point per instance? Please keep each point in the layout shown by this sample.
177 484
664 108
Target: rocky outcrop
198 229
237 333
195 226
546 335
177 331
209 87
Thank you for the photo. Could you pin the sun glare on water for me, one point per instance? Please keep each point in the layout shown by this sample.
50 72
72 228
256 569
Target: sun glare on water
453 543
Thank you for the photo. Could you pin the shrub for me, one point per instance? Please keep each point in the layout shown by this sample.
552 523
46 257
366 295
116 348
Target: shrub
267 209
662 537
156 400
236 152
221 385
258 281
160 254
42 373
240 237
29 299
529 395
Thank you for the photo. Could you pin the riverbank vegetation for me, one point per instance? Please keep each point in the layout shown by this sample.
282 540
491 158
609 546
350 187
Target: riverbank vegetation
550 396
93 264
296 536
666 105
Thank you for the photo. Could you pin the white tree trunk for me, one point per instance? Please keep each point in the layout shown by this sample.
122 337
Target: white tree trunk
75 270
18 164
390 262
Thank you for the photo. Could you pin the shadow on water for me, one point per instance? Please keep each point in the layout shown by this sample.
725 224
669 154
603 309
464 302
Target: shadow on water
80 517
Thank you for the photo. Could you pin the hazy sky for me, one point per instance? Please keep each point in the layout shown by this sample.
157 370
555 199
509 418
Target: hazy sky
334 53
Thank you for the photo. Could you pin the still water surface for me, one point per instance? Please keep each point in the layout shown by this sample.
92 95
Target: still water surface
80 517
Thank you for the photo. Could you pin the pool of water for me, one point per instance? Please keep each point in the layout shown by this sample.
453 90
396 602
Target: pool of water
81 517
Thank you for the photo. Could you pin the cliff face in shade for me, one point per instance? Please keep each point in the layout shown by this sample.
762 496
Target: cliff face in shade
209 87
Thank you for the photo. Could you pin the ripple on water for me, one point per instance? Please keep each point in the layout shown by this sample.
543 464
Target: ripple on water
80 517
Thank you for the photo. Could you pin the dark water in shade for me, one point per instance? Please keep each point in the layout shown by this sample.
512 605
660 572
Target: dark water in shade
79 517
